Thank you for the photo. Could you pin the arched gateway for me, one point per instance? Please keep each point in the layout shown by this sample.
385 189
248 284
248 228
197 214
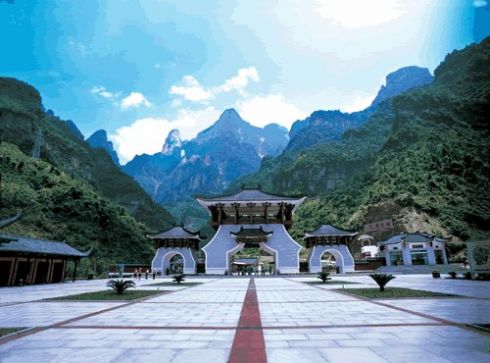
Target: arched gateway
251 218
332 240
176 241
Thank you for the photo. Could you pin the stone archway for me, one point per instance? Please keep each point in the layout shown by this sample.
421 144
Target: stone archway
161 261
343 258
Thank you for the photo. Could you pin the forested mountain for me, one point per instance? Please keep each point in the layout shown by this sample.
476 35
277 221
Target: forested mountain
69 180
99 140
217 156
422 158
323 126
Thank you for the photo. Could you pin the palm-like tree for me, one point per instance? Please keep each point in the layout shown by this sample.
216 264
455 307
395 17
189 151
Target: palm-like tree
120 285
323 276
382 280
179 278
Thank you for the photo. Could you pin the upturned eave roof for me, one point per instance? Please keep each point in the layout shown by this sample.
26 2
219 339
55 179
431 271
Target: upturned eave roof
21 244
328 230
249 195
176 233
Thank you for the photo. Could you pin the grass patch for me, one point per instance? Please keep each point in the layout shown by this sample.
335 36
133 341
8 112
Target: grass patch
330 282
394 293
107 295
169 283
7 331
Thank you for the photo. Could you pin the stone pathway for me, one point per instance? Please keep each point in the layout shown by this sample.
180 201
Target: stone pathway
247 320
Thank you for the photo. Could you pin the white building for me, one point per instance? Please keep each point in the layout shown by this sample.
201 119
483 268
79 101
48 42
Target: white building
414 249
368 246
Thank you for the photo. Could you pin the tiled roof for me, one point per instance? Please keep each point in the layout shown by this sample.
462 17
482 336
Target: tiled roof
392 240
251 232
175 232
249 195
417 237
11 243
328 230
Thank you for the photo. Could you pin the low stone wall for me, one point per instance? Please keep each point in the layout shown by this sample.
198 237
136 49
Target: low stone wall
369 264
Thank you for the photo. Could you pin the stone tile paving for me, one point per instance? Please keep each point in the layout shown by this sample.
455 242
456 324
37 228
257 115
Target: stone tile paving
47 313
470 288
10 295
164 315
371 339
455 310
96 345
302 323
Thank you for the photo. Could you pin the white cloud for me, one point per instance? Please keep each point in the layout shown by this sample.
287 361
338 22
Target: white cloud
240 81
192 90
148 135
358 103
262 110
102 92
355 14
82 48
134 99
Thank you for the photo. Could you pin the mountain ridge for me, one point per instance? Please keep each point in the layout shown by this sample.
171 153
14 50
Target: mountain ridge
421 159
100 140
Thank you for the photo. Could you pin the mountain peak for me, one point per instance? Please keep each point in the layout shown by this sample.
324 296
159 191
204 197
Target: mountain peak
402 80
99 140
99 135
172 142
229 115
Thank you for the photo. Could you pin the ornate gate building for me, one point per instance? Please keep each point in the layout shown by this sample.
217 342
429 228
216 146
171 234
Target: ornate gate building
251 218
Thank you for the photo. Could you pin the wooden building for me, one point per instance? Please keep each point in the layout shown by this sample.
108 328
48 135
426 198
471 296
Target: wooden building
25 260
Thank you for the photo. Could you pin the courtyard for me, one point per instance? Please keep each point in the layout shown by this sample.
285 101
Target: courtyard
248 319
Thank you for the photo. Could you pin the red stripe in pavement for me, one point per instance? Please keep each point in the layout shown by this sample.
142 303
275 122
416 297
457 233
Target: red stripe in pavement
248 344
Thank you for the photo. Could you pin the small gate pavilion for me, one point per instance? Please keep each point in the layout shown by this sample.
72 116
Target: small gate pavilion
176 241
330 239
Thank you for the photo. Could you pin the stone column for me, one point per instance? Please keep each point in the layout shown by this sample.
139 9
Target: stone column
431 256
444 255
407 258
387 256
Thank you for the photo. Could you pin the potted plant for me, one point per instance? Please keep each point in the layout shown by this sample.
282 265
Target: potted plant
179 278
323 276
382 280
452 274
436 274
120 285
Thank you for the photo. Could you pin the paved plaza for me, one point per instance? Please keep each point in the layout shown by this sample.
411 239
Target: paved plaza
243 319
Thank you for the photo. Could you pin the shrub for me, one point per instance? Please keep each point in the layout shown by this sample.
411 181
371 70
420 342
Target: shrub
120 285
382 280
179 278
452 274
468 276
436 274
323 276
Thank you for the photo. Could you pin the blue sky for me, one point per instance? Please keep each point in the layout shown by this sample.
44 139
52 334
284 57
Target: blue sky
140 68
